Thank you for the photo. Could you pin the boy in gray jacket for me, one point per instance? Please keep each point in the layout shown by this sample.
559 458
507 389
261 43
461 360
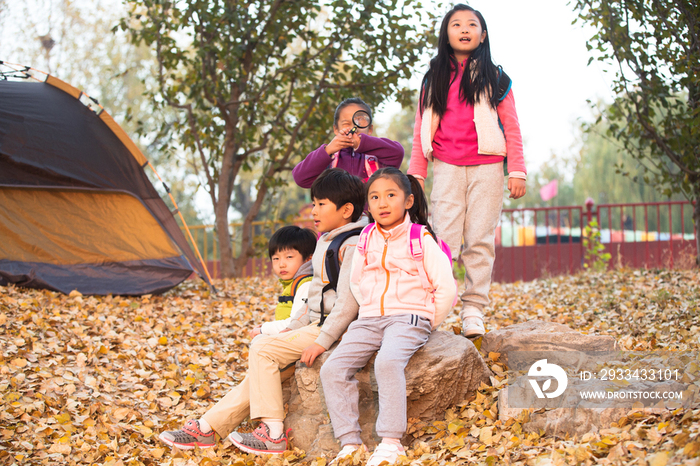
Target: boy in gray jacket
338 203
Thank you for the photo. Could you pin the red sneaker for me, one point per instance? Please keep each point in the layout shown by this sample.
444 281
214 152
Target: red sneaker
189 436
259 442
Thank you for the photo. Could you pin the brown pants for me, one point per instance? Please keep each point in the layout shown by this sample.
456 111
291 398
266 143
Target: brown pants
260 393
466 206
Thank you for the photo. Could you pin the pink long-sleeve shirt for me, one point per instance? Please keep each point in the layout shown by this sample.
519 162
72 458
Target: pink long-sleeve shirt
455 141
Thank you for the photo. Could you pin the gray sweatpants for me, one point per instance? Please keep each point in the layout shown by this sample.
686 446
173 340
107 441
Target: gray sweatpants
466 206
397 338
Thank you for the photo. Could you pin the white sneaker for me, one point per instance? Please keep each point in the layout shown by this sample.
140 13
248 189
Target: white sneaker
473 327
346 452
385 452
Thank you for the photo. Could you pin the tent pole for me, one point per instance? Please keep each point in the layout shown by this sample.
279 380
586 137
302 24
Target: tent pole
196 249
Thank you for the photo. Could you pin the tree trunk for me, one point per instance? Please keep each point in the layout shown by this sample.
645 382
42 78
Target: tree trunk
226 178
247 250
696 220
226 264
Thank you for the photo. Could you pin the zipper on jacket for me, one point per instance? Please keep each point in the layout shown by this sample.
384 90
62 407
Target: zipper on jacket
381 301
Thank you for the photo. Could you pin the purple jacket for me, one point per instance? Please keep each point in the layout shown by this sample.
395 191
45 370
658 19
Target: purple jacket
387 152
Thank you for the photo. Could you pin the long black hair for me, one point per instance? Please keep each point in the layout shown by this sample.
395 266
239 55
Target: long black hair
418 212
482 79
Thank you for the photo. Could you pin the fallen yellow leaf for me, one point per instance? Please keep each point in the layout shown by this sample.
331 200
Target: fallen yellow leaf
659 459
19 362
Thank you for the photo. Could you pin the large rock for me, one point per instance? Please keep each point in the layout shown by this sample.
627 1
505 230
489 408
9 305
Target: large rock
524 347
559 343
569 415
446 371
538 335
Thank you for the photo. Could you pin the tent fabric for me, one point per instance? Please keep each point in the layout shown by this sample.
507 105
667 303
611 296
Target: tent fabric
77 210
132 278
37 235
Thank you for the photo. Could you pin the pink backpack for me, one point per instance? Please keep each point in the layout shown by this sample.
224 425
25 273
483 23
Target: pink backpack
371 164
415 247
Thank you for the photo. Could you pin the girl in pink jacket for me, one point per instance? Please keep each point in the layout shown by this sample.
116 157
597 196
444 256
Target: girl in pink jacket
398 310
466 124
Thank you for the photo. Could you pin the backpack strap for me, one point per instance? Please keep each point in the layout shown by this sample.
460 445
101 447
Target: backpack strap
332 261
362 249
415 246
503 84
371 165
298 281
363 240
334 160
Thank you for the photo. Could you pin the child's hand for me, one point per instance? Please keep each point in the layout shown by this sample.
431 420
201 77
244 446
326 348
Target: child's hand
356 139
516 186
309 355
257 330
342 140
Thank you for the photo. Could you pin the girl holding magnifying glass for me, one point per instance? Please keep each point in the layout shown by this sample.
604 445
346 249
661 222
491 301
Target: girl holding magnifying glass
353 148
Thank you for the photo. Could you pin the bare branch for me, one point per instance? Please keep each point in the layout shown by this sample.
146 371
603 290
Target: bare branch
193 127
361 85
660 141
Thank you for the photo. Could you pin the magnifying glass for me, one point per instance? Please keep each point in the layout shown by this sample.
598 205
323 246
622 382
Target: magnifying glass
361 120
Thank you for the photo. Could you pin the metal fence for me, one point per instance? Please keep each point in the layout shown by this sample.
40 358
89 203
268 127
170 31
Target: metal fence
539 242
207 242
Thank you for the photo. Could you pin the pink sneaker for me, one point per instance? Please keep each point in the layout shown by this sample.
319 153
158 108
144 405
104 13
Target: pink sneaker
189 436
259 442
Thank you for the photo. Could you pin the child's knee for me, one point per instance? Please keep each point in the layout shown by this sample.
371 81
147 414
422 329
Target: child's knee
327 374
258 346
384 365
332 373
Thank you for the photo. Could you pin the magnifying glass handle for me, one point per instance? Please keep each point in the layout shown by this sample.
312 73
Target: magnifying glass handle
353 130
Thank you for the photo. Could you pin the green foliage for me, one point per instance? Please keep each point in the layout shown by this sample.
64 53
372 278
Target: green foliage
654 47
258 81
595 257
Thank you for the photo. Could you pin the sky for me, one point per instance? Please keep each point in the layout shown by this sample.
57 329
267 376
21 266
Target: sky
546 57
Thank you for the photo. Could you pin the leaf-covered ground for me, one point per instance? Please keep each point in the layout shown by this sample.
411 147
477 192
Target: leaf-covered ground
94 380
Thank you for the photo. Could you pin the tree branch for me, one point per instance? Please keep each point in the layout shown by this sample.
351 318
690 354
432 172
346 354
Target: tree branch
200 149
670 153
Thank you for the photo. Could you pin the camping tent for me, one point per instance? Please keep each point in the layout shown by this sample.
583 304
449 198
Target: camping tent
77 211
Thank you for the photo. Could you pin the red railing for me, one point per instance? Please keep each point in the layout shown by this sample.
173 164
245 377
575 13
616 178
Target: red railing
545 241
670 241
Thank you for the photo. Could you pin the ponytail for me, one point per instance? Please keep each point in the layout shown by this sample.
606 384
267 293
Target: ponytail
419 210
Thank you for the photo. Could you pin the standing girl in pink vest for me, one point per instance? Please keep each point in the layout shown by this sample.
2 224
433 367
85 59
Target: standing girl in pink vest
402 297
466 124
